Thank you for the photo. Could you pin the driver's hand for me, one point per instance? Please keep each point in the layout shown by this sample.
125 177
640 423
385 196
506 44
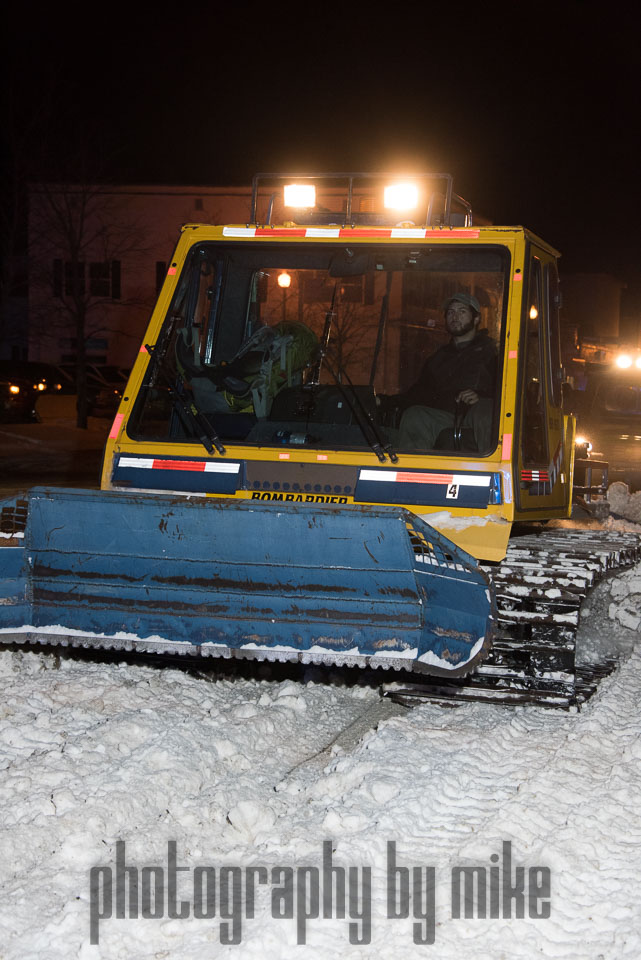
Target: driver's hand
467 396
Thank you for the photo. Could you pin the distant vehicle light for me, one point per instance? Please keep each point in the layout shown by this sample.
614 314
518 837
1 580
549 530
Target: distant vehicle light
14 388
284 279
583 442
624 361
401 196
300 195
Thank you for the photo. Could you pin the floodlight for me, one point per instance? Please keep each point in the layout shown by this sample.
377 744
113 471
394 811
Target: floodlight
300 195
401 196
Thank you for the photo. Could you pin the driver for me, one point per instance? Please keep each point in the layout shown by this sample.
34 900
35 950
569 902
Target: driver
459 379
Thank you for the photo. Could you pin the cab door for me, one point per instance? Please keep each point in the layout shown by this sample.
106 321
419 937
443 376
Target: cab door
543 476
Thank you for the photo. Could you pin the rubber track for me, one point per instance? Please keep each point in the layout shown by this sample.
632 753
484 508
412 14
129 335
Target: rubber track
540 586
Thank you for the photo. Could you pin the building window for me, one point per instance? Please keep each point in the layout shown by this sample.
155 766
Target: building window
104 279
95 350
99 279
74 279
57 278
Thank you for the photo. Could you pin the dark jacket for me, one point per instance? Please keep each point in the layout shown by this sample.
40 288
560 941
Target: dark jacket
471 366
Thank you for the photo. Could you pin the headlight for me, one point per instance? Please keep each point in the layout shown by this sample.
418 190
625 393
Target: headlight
624 361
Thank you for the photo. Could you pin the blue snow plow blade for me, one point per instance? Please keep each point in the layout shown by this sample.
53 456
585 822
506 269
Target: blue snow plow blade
371 586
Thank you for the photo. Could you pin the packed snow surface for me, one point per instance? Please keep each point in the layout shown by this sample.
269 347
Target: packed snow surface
102 760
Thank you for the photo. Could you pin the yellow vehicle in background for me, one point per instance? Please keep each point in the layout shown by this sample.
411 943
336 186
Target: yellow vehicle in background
606 401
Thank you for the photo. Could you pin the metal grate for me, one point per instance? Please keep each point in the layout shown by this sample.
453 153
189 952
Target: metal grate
431 553
13 518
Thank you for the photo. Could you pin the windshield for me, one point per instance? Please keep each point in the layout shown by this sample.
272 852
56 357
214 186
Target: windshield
332 347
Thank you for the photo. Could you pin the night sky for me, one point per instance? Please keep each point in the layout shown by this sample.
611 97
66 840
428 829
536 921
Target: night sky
536 113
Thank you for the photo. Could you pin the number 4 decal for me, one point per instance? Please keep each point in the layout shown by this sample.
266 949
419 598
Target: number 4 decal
452 491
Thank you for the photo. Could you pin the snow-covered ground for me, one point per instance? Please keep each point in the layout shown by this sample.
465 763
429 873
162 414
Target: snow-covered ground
258 773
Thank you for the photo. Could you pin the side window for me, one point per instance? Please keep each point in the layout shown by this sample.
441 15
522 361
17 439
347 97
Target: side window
553 297
534 437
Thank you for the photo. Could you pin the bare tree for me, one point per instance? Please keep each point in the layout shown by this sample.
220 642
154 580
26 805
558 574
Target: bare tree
58 217
23 118
79 235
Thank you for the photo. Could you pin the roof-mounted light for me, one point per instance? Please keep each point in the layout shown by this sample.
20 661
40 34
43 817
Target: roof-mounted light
358 199
301 196
401 196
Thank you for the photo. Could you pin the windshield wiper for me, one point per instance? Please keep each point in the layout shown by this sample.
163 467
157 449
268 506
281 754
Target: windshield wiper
192 417
363 417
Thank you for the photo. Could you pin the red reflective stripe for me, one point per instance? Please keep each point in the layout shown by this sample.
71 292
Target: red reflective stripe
424 477
115 428
540 475
445 233
358 232
382 232
280 232
379 232
195 465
